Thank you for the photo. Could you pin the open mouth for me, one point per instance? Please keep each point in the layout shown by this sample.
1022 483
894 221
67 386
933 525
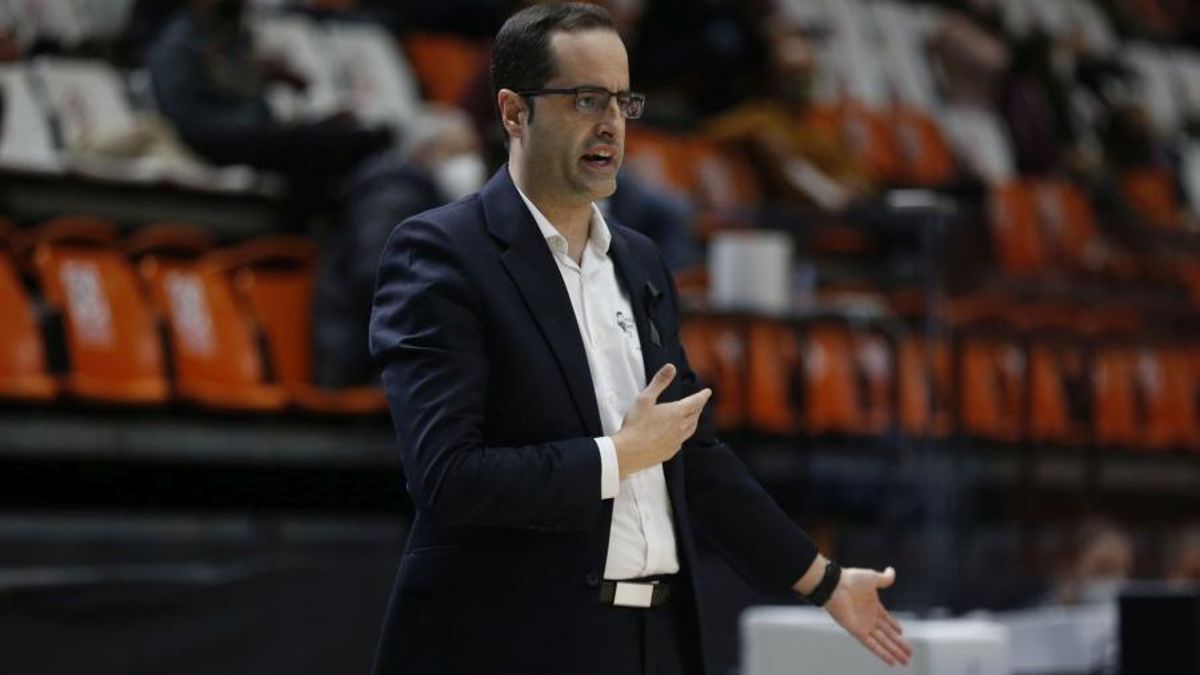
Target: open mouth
600 159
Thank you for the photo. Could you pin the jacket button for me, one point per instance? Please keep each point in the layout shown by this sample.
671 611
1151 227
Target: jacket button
593 579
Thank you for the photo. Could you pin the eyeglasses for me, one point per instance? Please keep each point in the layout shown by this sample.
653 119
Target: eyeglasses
594 100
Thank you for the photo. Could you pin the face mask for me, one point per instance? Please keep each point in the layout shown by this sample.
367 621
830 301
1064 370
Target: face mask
460 175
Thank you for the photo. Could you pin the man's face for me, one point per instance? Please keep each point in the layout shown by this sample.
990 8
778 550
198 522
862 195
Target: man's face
573 156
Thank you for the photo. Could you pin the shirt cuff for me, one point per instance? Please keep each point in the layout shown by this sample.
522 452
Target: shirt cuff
610 472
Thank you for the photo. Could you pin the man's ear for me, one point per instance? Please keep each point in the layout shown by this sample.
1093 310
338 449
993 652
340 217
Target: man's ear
513 112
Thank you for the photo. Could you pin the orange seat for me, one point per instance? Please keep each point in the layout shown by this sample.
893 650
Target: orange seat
214 347
1151 193
275 276
1013 218
1055 375
724 186
875 368
771 360
924 386
445 64
1168 392
660 158
23 367
1117 420
830 393
716 351
991 388
112 342
926 159
868 134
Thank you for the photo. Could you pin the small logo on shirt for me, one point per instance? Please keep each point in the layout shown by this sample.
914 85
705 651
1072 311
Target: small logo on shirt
625 322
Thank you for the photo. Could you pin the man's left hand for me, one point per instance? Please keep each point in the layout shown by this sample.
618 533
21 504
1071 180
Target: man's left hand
856 607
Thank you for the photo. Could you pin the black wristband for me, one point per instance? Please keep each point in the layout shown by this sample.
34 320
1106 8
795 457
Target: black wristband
829 581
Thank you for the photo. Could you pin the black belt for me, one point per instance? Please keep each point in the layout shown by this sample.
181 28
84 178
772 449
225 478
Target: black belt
644 593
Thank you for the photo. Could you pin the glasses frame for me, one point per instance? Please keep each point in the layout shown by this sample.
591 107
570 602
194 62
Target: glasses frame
624 98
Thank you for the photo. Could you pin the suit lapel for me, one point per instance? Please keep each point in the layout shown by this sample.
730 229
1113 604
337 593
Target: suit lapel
641 300
531 265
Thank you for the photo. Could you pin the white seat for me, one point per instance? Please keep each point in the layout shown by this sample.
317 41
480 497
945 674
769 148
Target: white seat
904 30
69 22
788 640
25 139
378 82
1156 86
305 47
980 142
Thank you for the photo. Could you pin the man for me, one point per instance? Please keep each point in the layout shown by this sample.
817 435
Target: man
559 496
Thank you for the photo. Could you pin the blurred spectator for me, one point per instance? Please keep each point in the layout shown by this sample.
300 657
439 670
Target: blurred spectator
1034 103
211 84
1183 558
799 161
1099 567
661 216
440 161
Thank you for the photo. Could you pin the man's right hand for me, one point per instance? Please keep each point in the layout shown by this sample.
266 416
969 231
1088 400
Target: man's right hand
652 432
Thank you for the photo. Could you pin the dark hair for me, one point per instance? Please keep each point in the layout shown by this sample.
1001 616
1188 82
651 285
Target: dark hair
521 56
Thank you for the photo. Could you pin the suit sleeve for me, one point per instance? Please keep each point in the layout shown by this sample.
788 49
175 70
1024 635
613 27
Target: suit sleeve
727 505
427 336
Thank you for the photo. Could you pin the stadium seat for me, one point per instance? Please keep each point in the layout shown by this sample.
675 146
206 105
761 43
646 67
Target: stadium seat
1013 219
26 141
23 366
112 342
382 88
830 393
992 376
275 276
868 134
303 46
716 349
771 363
1057 376
660 158
445 64
1117 414
875 374
925 156
724 187
924 386
1168 389
215 351
1151 193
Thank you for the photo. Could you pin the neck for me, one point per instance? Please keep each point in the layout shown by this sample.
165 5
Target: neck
572 220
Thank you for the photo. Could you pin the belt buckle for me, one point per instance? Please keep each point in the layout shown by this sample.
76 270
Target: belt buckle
628 594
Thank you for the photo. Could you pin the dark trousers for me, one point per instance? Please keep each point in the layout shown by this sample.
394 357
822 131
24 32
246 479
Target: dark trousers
658 641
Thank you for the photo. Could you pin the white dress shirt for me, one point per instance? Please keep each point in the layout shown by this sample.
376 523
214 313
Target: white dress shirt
642 539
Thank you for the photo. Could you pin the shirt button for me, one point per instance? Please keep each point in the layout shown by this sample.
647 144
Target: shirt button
592 579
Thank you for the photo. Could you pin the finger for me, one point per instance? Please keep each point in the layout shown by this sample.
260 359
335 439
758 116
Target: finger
891 646
873 644
658 384
899 647
887 578
694 404
892 622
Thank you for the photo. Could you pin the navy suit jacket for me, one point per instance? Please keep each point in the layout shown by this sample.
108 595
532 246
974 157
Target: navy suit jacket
495 415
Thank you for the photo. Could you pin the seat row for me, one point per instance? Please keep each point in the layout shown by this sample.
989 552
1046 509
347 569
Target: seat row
1059 387
161 316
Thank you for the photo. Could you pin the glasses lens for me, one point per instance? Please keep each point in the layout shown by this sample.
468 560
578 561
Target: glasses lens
633 105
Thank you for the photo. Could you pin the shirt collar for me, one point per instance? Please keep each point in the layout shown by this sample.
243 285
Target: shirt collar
599 236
